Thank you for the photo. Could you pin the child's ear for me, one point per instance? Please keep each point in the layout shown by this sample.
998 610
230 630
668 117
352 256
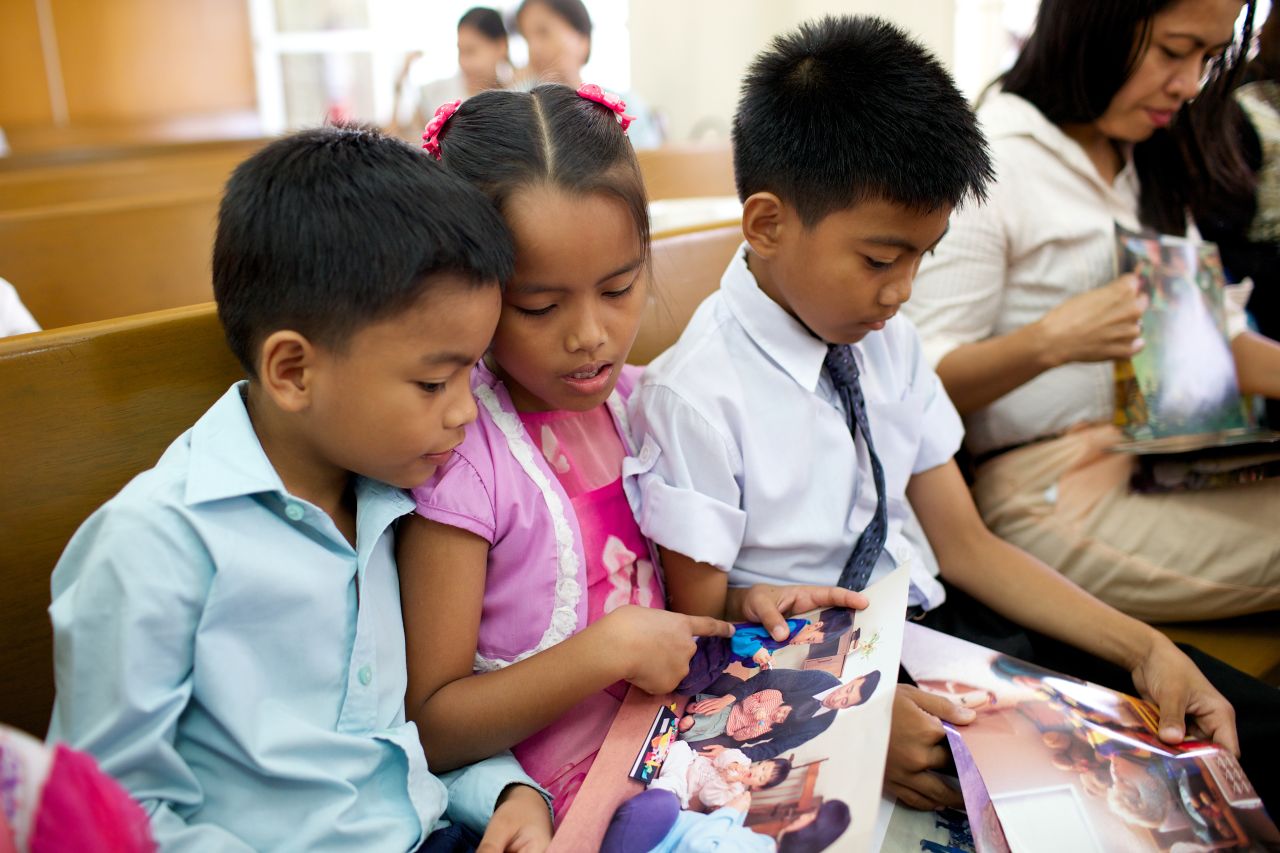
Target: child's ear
763 216
287 369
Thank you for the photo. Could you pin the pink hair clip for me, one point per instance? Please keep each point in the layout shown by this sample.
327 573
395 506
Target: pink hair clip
592 92
431 136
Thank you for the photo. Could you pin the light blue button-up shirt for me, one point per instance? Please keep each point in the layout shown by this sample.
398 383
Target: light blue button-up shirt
225 653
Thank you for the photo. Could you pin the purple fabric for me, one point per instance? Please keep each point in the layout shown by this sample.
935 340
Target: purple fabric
641 823
710 658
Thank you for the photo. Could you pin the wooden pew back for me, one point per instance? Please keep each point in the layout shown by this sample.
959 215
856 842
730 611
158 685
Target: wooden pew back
88 261
85 410
686 171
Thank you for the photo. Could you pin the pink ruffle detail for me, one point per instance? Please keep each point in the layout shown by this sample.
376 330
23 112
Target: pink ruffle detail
592 92
83 809
431 136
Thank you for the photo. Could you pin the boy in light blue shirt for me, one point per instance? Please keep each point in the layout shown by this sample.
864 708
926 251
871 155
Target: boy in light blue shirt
227 629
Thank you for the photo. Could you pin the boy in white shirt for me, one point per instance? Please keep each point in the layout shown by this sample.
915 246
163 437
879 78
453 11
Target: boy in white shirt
787 429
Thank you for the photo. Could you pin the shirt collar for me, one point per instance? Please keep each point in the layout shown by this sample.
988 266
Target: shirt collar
1007 115
781 337
227 461
823 709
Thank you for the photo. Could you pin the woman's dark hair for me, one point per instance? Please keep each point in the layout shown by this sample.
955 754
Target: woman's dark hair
1079 55
835 621
504 141
572 12
832 820
1266 65
485 21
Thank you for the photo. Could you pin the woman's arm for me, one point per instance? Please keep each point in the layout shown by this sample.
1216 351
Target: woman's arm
1257 364
1098 325
463 717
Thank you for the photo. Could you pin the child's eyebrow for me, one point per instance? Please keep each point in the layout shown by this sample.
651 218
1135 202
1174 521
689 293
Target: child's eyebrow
531 288
902 243
456 358
1196 40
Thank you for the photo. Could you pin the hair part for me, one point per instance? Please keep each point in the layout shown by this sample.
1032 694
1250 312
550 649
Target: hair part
330 229
504 142
485 21
848 109
1077 58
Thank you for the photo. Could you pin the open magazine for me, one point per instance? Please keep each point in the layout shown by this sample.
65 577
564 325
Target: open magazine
768 743
1178 397
1057 763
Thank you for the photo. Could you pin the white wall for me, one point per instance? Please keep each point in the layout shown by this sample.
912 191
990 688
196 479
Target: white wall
688 56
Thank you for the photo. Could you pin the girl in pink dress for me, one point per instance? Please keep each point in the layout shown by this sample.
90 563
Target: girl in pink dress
530 596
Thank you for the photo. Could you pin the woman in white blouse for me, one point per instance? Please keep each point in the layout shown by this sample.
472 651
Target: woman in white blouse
1022 315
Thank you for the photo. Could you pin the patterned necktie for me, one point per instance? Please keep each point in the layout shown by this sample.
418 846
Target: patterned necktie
843 371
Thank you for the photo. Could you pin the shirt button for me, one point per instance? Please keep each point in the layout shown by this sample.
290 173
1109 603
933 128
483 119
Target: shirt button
365 674
294 511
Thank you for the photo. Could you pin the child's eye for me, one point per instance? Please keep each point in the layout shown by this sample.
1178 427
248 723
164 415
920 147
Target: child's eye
535 312
1172 54
431 387
878 265
615 294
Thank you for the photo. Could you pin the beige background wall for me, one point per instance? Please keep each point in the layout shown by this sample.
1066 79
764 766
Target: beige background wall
690 70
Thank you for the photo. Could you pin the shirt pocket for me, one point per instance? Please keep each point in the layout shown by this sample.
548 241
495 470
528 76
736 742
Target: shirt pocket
896 428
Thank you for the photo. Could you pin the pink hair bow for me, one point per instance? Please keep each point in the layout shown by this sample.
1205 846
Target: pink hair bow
431 136
592 92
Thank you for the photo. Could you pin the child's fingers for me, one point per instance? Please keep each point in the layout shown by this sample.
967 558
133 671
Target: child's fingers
708 626
835 596
944 709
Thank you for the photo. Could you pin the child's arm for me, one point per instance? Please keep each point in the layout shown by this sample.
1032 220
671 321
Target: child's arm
128 594
1016 585
463 717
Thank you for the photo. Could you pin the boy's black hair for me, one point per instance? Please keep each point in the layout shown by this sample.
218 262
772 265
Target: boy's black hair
849 109
870 682
1079 55
781 770
327 230
485 21
505 141
835 621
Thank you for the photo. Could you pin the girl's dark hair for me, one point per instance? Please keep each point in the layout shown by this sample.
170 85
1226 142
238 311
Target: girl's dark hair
832 820
504 141
1079 55
781 770
484 20
572 12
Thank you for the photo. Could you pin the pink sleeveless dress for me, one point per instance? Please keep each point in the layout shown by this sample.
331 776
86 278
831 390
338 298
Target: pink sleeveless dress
586 453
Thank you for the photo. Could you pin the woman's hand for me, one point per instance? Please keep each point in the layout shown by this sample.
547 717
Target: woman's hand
1102 324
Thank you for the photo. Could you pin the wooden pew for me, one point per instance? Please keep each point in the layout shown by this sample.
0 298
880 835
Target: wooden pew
85 409
685 171
127 176
89 261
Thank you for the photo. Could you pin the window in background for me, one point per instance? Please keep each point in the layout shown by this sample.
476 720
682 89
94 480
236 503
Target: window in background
320 59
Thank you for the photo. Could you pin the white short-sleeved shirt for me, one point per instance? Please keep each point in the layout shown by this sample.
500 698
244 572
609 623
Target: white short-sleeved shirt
15 319
746 460
1046 234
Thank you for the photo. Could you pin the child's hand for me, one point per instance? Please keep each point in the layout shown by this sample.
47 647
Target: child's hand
763 659
1169 680
740 803
520 824
655 645
915 748
767 604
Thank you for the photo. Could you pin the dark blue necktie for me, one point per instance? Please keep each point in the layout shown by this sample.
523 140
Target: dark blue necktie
843 371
